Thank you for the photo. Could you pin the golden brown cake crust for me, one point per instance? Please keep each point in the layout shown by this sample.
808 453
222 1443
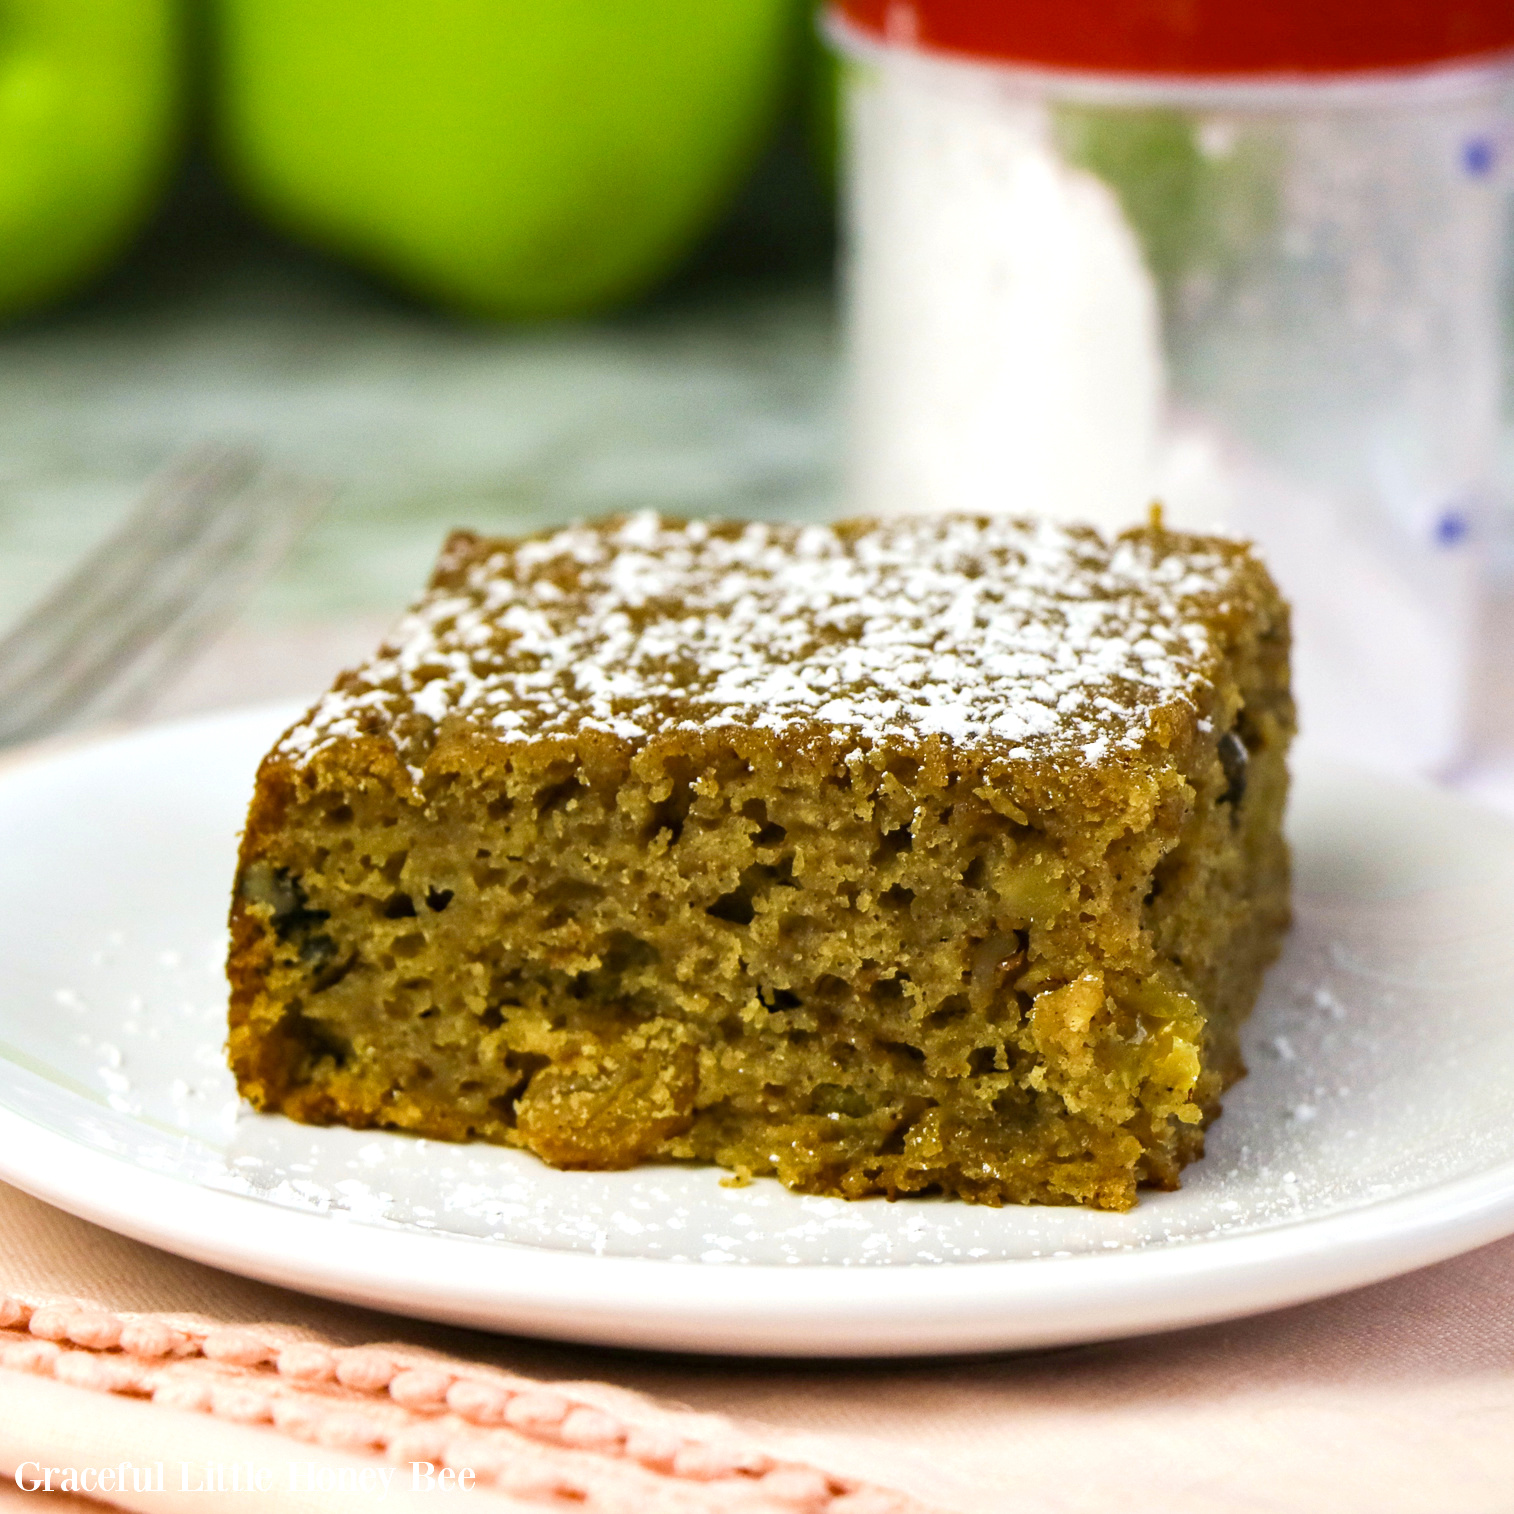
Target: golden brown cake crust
933 853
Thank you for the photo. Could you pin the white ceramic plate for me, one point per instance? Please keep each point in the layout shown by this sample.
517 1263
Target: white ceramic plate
1374 1134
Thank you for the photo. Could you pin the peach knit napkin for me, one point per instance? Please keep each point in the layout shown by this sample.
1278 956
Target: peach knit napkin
144 1380
1396 1399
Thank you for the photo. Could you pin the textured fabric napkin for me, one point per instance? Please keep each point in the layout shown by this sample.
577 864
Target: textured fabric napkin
145 1379
116 1358
1396 1399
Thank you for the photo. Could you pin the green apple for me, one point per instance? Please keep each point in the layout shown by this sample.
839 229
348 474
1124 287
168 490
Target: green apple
823 71
89 115
505 157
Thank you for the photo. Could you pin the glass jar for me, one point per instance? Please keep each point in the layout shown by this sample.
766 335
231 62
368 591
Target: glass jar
1248 260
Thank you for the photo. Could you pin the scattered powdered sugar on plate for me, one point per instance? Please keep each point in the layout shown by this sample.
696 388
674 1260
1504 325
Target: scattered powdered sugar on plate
1363 1028
1027 638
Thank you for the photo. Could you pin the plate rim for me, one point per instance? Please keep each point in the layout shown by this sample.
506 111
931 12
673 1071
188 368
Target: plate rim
841 1310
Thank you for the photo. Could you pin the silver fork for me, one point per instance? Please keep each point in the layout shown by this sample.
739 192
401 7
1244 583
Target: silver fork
209 529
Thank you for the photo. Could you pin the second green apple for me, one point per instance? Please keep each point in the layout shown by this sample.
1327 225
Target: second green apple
504 157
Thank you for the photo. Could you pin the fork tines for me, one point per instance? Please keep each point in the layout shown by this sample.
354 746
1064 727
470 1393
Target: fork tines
210 528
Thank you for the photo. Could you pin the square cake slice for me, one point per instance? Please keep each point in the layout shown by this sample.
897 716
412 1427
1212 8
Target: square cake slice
929 854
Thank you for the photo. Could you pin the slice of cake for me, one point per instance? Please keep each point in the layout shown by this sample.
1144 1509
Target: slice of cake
931 854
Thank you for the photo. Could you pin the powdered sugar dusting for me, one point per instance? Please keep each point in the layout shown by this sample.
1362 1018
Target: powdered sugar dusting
1031 639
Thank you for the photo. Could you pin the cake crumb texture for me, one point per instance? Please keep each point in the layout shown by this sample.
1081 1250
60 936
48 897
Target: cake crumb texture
933 854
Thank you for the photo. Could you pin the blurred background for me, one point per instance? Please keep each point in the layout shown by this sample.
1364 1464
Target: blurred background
621 298
495 264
